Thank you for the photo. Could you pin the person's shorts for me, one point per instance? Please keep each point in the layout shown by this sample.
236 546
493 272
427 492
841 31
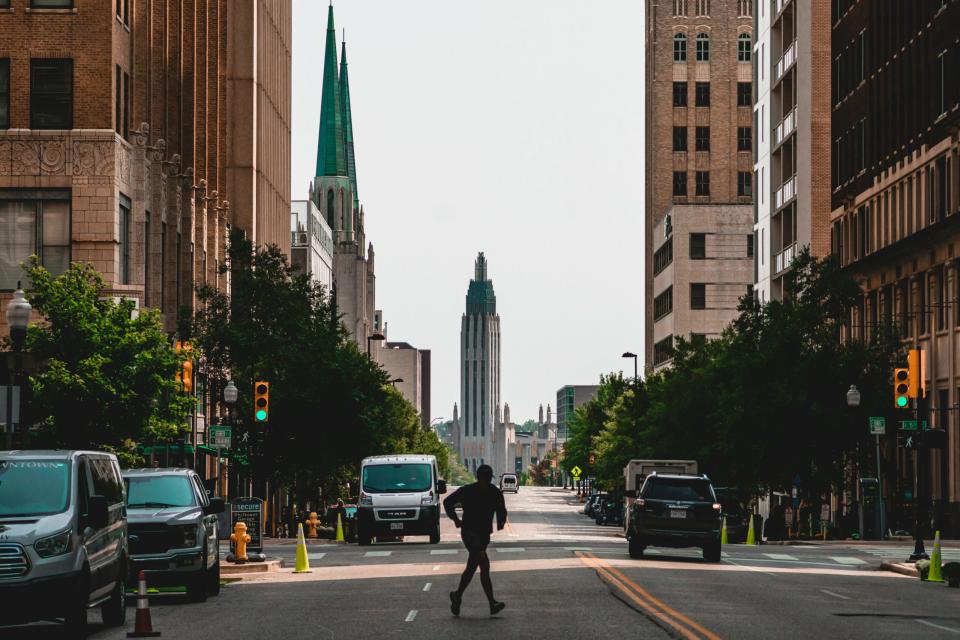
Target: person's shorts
474 541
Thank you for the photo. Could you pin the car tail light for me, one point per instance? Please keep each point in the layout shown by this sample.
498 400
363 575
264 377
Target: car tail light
717 506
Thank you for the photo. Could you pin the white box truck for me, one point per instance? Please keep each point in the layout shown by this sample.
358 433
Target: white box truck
637 471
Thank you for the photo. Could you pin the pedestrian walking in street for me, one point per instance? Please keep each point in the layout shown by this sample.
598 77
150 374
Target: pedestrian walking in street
480 501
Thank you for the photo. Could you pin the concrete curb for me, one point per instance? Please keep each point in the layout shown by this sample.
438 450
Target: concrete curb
247 568
901 568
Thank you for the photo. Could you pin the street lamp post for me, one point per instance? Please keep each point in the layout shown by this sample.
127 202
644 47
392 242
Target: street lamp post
376 336
853 401
230 394
395 381
18 317
627 354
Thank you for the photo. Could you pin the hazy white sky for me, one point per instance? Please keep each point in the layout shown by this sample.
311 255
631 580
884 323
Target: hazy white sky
513 127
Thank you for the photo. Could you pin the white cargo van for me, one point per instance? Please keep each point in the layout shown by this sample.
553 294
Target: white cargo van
508 482
399 496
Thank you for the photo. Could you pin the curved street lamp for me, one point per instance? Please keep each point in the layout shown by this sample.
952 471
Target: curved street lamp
853 396
18 318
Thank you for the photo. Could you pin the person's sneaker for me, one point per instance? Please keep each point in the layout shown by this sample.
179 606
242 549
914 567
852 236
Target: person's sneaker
496 607
455 600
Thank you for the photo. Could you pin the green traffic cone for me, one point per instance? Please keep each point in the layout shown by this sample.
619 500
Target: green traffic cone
751 536
936 561
723 532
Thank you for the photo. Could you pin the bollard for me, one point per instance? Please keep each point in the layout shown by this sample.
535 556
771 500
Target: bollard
312 523
240 538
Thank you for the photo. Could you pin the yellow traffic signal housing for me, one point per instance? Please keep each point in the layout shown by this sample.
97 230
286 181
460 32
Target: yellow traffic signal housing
184 373
261 401
914 372
187 377
901 388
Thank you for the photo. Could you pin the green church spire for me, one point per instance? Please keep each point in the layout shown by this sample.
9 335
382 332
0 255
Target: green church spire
347 120
331 155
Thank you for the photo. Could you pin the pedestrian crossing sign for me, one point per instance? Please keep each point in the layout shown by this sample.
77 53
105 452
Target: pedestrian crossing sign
575 472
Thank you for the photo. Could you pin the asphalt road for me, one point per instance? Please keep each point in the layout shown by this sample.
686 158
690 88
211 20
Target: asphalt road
562 576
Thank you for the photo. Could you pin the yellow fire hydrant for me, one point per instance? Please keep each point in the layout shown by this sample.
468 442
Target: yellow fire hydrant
312 524
240 538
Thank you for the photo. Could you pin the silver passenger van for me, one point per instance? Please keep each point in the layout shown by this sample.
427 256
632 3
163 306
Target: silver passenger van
63 537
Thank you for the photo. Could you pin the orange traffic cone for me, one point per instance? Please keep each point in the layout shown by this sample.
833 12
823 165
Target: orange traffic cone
143 627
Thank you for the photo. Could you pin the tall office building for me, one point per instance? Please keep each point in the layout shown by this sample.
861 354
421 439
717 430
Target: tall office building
792 116
480 374
699 169
896 200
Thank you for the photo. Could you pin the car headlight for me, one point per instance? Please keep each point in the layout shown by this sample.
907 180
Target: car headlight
188 533
54 545
365 500
426 499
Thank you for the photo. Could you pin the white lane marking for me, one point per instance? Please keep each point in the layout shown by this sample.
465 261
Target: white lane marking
444 552
377 554
847 560
835 595
436 567
729 561
578 548
780 556
316 556
510 549
724 554
936 626
653 552
411 616
426 587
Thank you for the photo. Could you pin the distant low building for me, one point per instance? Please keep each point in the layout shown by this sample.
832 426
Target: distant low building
311 242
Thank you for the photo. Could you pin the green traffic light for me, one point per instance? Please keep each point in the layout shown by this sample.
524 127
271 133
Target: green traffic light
261 415
901 401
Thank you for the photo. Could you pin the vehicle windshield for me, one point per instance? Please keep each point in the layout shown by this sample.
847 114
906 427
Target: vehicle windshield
33 487
396 478
679 489
159 491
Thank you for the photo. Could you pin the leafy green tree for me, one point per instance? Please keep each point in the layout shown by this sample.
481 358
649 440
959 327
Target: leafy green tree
108 375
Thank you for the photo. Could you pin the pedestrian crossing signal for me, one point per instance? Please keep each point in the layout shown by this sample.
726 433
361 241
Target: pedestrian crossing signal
901 388
261 401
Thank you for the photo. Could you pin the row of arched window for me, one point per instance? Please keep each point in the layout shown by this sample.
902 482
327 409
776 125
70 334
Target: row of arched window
702 40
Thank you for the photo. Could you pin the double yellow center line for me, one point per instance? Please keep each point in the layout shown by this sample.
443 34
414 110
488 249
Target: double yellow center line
670 617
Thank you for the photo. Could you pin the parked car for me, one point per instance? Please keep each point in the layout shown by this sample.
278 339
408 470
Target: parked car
508 482
399 496
63 538
675 510
592 501
738 519
173 530
609 511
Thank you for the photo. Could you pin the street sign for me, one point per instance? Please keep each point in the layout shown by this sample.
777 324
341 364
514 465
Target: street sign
878 425
575 472
911 425
220 436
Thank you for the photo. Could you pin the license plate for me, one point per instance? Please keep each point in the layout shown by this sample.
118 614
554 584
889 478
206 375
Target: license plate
396 526
678 513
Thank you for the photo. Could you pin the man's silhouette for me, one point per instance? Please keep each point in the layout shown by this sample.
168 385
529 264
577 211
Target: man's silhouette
480 501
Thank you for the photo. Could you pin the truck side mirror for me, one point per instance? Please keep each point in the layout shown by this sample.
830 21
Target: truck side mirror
99 512
216 506
441 486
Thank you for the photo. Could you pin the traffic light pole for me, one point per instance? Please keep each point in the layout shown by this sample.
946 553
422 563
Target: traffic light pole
919 552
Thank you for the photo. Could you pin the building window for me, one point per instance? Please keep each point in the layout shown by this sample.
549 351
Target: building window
663 304
679 184
119 7
663 258
126 12
51 94
698 296
679 138
744 48
744 138
146 259
703 8
744 94
679 8
703 94
703 183
703 47
679 94
51 4
940 84
744 184
698 246
749 246
163 264
126 106
124 239
118 89
703 138
744 8
679 47
4 94
663 351
33 222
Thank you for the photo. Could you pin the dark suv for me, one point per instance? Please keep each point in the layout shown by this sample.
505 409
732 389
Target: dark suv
676 510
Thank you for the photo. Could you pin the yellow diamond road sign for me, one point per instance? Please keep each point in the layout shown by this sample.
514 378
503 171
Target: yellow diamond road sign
575 472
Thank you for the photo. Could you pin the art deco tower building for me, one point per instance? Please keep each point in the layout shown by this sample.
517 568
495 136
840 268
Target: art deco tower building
479 371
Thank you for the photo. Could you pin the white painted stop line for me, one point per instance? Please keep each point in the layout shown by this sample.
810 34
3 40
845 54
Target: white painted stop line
377 554
780 556
411 616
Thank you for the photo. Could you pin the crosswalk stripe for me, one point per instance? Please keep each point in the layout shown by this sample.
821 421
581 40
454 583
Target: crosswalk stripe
847 560
316 556
780 556
510 549
578 548
443 552
653 552
377 554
